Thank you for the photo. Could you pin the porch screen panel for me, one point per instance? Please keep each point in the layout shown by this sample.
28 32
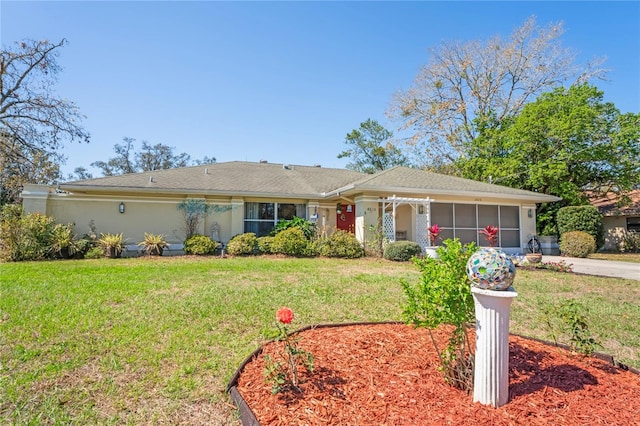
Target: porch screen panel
465 223
509 217
442 214
509 238
467 235
445 234
487 215
509 226
465 216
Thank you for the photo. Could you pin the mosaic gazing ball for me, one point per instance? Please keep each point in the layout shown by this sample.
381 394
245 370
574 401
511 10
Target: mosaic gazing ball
491 269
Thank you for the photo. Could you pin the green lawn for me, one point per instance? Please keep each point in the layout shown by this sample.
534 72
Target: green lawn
155 340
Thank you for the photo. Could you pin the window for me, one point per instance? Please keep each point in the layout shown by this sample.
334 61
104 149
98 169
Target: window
464 221
633 224
260 218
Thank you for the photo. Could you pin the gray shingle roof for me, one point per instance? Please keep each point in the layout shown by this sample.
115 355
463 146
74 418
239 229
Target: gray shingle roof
264 179
235 177
404 179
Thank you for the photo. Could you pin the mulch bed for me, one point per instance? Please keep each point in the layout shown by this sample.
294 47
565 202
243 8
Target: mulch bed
387 374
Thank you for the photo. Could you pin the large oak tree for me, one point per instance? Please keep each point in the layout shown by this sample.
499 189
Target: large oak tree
34 121
569 142
464 81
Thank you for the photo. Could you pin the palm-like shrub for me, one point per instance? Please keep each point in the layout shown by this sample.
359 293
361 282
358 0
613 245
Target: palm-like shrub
112 244
154 244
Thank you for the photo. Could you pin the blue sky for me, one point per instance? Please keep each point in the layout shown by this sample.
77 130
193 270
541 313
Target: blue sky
280 81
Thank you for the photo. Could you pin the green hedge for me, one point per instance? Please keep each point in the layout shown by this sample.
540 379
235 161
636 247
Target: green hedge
577 244
581 218
243 244
292 242
340 244
200 245
402 251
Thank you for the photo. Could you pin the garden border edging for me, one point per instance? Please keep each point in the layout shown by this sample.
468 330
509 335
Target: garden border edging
248 418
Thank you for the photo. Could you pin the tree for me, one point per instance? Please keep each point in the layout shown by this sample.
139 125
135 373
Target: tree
205 160
160 157
34 122
149 158
80 173
478 80
25 165
568 143
371 149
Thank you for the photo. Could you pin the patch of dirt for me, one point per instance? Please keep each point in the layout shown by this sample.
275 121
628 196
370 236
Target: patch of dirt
387 374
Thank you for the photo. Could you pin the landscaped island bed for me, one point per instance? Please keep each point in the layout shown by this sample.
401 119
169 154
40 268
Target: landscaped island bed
387 374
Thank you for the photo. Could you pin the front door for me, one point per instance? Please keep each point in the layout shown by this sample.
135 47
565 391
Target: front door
346 219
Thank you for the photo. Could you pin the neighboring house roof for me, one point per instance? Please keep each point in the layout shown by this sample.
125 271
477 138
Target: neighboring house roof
609 204
267 179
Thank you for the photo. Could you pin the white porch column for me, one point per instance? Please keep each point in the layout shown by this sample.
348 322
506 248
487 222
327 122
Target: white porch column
367 215
491 375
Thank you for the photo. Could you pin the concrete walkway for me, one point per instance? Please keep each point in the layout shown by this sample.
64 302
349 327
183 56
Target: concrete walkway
604 268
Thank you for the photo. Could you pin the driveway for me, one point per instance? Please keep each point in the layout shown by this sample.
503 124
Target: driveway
604 268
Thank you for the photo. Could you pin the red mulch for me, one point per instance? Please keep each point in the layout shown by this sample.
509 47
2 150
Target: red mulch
387 374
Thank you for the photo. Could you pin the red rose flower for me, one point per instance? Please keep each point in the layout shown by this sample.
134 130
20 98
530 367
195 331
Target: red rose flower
284 315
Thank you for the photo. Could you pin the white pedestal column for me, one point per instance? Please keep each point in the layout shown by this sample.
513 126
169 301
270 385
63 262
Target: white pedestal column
491 375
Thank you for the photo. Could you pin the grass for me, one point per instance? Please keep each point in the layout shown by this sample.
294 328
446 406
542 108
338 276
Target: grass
156 340
620 257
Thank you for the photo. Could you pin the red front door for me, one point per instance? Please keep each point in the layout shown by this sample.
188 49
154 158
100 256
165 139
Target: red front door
346 219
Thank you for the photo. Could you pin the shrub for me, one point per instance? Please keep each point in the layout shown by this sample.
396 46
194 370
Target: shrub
402 251
443 296
94 253
154 244
112 244
629 242
63 241
577 244
243 244
200 245
292 242
581 218
264 245
307 227
340 244
25 237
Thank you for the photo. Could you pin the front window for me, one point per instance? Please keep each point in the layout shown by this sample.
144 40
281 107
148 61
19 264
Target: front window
261 218
633 224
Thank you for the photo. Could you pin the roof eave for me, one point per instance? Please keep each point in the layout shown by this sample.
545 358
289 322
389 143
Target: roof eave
182 191
537 198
